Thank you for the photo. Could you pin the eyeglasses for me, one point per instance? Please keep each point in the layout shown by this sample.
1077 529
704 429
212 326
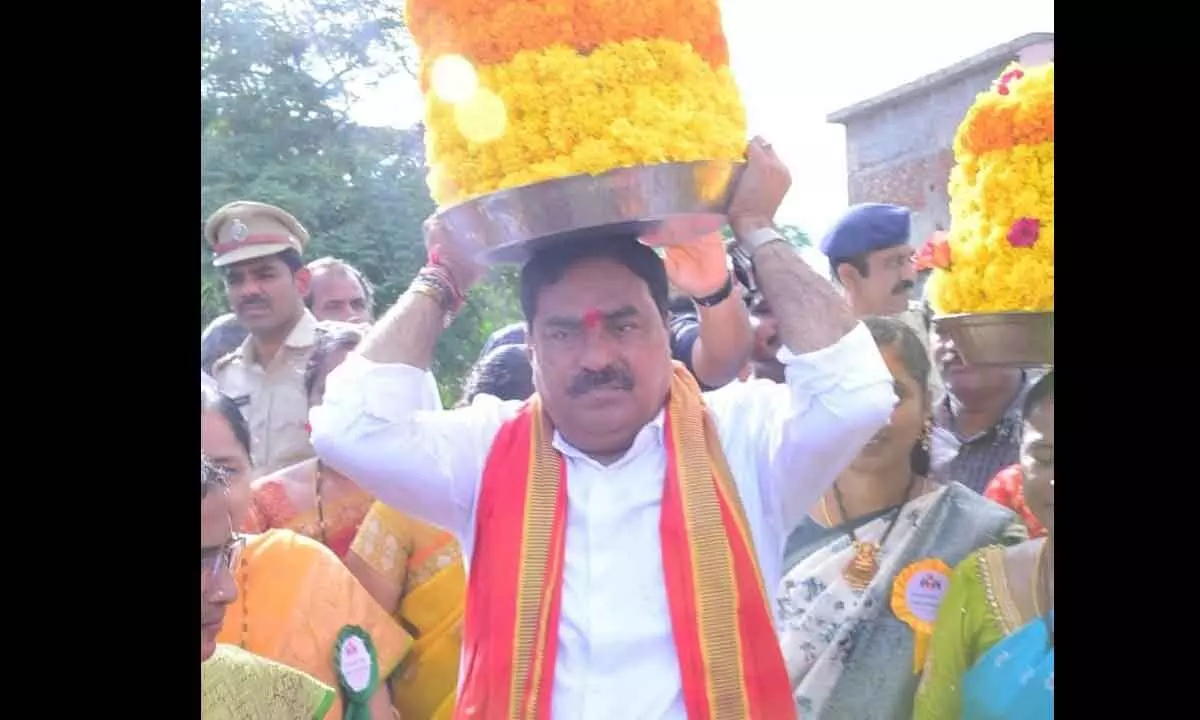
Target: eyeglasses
226 557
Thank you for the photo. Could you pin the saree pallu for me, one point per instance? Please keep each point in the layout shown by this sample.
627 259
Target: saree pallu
1014 680
236 685
848 656
426 563
294 597
271 507
987 661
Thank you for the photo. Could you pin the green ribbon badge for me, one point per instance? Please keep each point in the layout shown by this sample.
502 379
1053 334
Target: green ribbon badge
357 670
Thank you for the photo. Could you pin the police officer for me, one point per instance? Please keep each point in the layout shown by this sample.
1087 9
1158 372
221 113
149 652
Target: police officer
257 248
871 256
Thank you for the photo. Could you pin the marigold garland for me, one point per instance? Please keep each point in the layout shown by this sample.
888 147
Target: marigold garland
1000 249
565 87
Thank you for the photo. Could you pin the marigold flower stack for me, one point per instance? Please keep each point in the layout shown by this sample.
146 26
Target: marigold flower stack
999 253
522 91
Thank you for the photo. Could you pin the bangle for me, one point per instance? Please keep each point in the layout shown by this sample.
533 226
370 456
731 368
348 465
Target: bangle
719 296
441 279
436 294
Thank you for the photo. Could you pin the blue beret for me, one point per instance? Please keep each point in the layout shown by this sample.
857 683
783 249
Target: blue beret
865 228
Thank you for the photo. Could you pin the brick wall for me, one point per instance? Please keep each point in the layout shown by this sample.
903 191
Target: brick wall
902 153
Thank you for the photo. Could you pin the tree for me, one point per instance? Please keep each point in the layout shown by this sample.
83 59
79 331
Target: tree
274 90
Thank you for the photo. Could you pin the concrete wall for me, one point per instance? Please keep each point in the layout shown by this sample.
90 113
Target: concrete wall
902 153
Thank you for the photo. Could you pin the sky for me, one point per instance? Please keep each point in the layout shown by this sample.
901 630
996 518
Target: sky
797 61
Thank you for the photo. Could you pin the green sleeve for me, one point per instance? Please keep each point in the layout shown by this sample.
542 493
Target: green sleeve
323 700
938 695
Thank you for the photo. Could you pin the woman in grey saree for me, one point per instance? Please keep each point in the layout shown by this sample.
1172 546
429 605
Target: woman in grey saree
849 655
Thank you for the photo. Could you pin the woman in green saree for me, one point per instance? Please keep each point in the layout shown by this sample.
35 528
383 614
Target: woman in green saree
992 656
235 684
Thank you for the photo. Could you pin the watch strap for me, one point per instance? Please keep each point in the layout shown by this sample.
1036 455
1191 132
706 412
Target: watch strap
719 296
757 239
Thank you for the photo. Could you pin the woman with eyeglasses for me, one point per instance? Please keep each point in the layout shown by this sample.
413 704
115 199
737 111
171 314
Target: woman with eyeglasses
295 598
235 683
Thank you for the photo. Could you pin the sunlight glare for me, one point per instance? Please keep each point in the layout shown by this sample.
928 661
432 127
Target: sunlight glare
482 118
453 79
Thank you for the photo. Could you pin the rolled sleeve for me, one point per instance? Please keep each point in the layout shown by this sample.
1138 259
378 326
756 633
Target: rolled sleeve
804 433
382 426
837 398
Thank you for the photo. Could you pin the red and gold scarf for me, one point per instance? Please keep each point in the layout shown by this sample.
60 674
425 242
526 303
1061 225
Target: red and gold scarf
729 658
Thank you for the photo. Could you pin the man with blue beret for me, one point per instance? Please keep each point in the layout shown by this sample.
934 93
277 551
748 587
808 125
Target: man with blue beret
871 257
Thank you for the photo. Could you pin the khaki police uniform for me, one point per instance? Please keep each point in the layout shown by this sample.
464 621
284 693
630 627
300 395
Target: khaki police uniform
272 397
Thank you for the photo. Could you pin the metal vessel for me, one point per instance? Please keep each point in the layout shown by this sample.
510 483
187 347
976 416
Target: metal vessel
1010 339
505 226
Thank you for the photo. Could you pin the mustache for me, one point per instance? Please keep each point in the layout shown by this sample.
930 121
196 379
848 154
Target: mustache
903 287
612 376
256 301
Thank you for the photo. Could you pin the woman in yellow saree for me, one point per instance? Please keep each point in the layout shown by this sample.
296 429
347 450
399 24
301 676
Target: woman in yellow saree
992 653
294 595
416 570
236 684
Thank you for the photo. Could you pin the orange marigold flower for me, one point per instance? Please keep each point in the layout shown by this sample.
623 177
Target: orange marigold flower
935 253
493 31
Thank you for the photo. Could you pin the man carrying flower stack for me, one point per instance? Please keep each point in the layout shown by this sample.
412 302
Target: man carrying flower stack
621 526
994 272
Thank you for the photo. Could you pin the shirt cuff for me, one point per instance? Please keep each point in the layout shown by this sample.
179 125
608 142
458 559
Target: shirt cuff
390 392
851 363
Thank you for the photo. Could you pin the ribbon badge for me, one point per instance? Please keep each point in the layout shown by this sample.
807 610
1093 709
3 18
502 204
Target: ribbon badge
917 594
357 670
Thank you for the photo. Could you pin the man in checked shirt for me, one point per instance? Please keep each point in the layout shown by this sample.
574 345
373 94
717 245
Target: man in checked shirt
982 410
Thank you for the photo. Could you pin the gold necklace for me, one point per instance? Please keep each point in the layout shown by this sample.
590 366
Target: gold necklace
1037 578
320 504
244 574
825 512
864 566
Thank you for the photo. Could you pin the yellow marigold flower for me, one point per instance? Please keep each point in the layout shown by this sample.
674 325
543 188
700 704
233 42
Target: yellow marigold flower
1001 240
523 91
632 103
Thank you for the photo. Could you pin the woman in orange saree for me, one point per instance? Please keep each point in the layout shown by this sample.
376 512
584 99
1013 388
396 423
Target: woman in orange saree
310 497
294 595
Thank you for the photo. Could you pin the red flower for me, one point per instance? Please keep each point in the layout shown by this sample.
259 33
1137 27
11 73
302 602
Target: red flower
935 253
1006 78
1024 232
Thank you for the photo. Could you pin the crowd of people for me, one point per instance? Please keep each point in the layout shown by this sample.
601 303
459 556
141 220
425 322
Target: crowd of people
715 486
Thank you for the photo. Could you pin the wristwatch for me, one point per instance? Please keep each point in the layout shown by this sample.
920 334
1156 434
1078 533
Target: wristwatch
719 296
754 241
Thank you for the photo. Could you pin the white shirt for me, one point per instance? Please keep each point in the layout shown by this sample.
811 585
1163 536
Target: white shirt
785 445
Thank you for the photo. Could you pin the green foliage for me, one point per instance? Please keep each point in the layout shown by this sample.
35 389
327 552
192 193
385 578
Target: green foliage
273 92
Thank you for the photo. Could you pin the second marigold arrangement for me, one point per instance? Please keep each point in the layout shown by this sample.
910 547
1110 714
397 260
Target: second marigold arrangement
521 91
999 253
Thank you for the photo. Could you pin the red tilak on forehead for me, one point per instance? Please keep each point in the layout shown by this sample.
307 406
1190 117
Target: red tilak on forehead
592 317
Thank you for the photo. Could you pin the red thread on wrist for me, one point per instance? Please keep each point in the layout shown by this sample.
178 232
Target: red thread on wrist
444 277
